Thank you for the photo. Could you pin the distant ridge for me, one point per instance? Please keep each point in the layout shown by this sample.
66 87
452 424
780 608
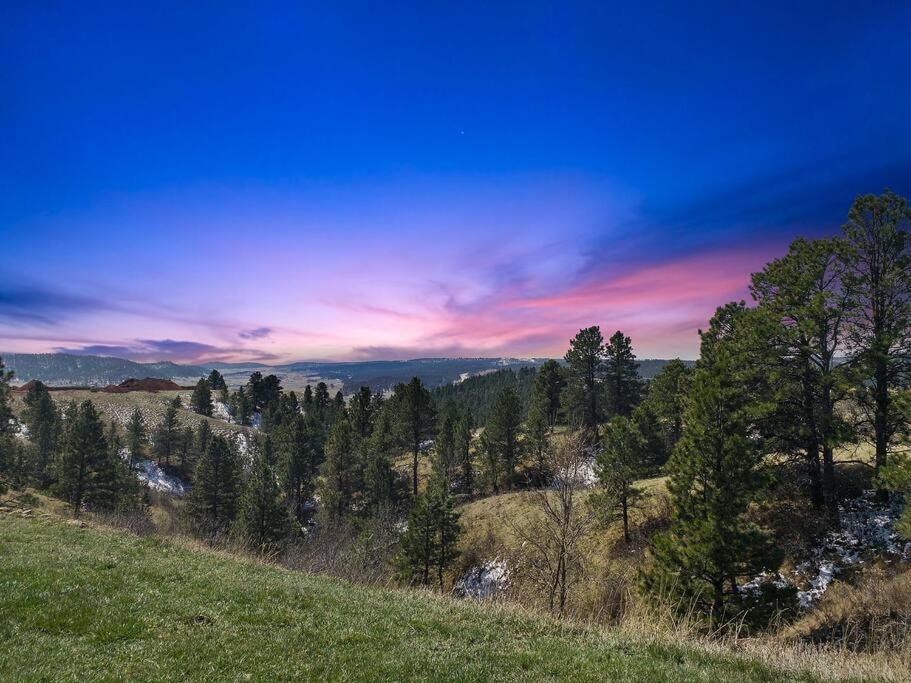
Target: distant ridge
60 369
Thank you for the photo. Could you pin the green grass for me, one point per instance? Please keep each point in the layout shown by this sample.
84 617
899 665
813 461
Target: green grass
90 604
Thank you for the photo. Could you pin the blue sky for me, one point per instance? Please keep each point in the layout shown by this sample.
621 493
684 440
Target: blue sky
360 180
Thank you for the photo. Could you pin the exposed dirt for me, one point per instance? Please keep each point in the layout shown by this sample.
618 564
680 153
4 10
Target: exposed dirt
149 384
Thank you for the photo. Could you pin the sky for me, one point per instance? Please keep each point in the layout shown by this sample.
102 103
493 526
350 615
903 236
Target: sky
351 181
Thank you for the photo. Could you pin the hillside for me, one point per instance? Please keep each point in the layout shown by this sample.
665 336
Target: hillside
385 374
59 369
88 603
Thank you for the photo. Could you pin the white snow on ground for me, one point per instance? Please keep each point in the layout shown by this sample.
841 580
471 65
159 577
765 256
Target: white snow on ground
484 581
21 430
867 532
245 444
149 472
220 411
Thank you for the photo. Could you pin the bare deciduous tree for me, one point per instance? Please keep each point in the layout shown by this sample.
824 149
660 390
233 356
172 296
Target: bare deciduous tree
559 524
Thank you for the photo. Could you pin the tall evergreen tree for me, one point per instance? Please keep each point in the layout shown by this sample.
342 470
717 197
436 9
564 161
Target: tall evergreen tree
137 436
878 273
805 302
361 410
429 544
216 486
254 391
666 398
202 399
445 462
241 409
462 438
619 464
415 415
42 418
622 385
9 449
216 381
81 472
549 385
503 431
321 404
715 473
340 473
536 431
297 462
262 518
167 436
585 369
379 478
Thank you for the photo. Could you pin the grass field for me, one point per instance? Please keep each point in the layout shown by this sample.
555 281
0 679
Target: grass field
93 603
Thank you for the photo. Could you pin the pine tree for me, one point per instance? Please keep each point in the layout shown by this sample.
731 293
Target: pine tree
216 381
619 463
414 419
11 455
445 463
462 438
666 398
429 545
503 431
798 332
129 490
379 477
307 404
6 412
201 440
297 463
216 486
263 519
585 369
878 273
42 418
186 450
622 385
202 399
536 432
321 404
361 410
137 436
715 473
339 473
81 460
241 410
255 391
167 436
549 385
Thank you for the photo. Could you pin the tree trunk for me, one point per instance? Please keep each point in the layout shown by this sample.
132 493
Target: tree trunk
881 421
625 519
414 470
828 478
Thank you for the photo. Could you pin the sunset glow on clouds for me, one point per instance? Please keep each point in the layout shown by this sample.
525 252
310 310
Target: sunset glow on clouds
290 183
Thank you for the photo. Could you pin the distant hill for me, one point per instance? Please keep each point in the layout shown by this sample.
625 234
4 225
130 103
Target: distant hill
59 369
479 392
385 374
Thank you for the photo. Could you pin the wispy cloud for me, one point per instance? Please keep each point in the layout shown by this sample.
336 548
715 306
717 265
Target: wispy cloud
255 333
178 351
44 306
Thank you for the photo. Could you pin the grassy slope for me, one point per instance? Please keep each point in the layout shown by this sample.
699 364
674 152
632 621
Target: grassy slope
101 604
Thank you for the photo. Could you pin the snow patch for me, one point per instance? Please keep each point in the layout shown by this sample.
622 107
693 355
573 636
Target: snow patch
220 411
484 581
156 478
867 532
